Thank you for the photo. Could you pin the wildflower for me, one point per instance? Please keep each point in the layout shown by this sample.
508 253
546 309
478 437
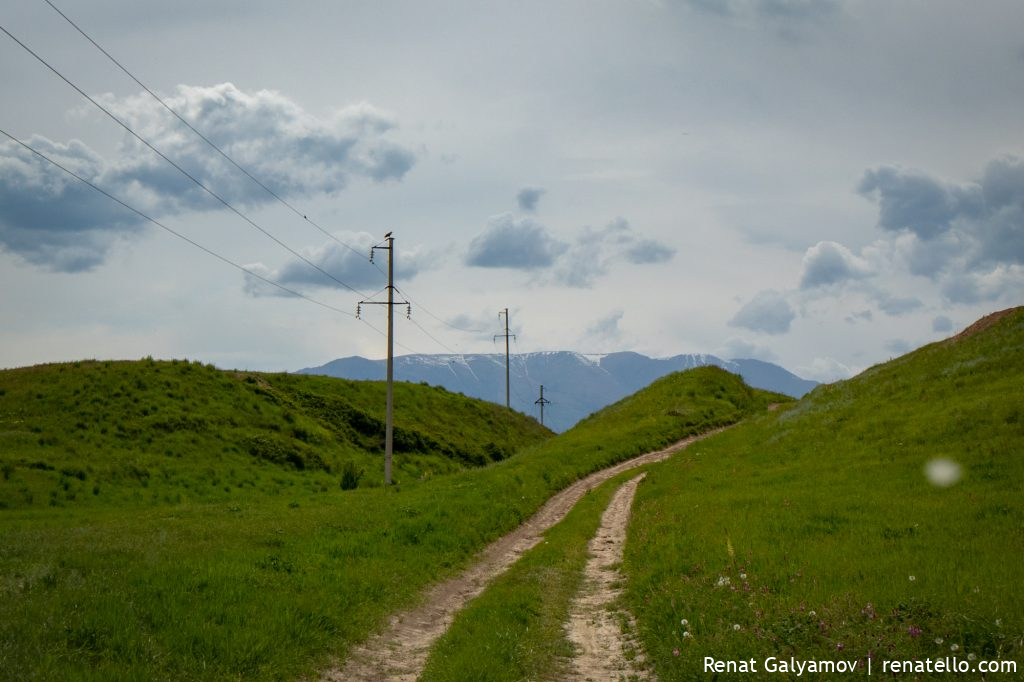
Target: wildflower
999 622
971 657
743 576
938 640
812 614
684 622
675 652
687 635
912 578
954 647
914 631
736 627
839 646
723 580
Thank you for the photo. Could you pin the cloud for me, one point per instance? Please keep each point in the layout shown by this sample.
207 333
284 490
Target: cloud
784 10
828 263
525 244
898 347
51 219
942 324
825 370
736 348
896 306
54 221
969 237
862 316
528 198
510 242
348 264
607 328
768 312
595 251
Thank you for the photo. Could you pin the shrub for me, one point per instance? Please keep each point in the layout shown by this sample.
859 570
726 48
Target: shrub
350 476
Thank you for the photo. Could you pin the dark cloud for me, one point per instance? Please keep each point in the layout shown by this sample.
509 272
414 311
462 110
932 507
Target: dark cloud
767 312
915 202
828 263
528 198
789 10
942 324
54 221
51 219
969 236
862 316
510 242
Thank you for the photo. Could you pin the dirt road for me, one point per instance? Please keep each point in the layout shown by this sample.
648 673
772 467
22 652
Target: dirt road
603 651
399 652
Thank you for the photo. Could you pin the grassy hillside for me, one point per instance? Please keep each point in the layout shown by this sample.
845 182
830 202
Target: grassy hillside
838 529
272 569
93 433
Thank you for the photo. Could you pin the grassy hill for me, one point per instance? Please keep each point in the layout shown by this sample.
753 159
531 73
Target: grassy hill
880 517
92 433
171 521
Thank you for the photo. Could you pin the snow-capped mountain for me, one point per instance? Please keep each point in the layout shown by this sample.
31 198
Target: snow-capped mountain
576 384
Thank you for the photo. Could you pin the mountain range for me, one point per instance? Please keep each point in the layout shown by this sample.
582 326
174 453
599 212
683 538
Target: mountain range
575 384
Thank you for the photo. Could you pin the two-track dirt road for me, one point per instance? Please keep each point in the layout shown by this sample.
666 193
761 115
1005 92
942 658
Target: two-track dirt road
399 652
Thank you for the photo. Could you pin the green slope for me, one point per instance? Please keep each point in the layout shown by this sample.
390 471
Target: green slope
93 433
123 558
817 533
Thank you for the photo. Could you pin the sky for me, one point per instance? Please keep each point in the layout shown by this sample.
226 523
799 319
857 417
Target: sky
824 185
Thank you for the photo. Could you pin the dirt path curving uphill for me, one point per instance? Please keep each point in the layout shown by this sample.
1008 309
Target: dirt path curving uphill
603 651
399 652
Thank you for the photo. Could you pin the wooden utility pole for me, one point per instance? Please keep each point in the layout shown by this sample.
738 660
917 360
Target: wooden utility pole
508 401
542 402
391 303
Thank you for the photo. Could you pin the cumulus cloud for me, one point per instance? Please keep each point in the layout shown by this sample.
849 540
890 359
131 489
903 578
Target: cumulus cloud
524 243
54 221
768 312
51 219
607 328
895 306
511 242
737 348
528 198
348 264
825 370
967 236
828 263
594 252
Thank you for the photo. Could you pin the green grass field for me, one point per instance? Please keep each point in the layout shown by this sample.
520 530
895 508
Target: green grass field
172 521
815 532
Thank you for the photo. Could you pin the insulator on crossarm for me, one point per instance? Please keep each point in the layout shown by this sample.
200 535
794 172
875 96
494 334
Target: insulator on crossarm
359 311
408 312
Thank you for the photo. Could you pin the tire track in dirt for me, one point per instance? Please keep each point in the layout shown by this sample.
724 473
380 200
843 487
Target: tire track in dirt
399 652
594 625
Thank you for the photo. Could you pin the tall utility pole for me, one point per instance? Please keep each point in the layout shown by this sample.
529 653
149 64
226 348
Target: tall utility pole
391 303
508 402
542 402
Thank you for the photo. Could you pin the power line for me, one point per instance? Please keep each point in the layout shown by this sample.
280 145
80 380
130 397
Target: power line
203 137
172 231
243 170
179 168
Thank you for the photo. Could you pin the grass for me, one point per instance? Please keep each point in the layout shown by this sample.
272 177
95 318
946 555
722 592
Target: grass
515 630
814 532
220 544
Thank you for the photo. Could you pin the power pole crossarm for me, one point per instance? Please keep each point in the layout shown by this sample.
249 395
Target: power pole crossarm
542 401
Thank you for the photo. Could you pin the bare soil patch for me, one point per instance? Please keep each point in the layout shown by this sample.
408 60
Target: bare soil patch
399 652
603 650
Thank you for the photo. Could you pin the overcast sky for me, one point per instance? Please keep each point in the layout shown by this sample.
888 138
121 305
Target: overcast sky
820 184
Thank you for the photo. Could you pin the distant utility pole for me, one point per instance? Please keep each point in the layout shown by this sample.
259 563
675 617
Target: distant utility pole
542 402
508 401
391 303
